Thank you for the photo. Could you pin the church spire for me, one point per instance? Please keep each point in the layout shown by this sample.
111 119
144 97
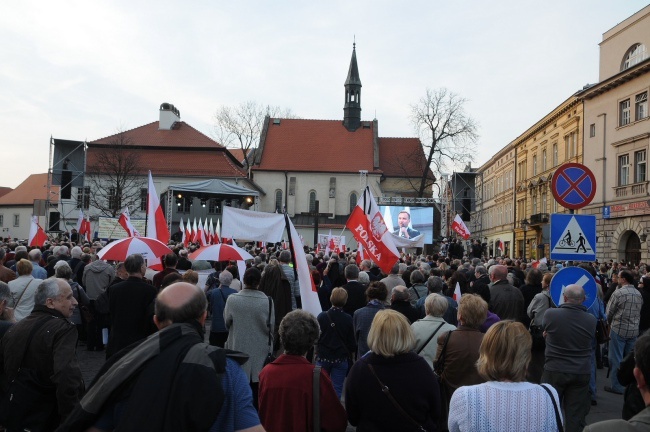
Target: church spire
352 107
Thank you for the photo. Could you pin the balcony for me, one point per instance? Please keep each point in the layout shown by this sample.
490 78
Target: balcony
539 218
631 190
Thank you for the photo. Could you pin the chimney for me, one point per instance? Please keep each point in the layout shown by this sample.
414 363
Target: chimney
169 115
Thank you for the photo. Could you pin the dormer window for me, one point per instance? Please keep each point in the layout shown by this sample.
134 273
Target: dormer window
636 54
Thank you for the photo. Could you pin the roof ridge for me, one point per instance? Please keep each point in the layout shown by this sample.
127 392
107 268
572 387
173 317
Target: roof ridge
121 132
208 137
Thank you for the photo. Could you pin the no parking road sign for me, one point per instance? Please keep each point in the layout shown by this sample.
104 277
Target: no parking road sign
573 276
573 185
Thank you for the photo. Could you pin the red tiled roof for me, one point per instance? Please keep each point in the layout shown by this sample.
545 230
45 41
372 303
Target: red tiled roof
32 188
317 146
402 157
238 153
183 135
4 190
201 163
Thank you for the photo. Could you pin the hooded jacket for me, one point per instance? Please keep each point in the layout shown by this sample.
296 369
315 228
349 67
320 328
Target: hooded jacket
98 275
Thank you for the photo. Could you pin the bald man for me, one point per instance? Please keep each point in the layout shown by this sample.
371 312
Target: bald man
569 330
506 301
204 383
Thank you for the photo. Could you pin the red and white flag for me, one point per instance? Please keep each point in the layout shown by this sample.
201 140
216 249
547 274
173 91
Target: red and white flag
211 231
181 228
536 263
217 233
459 226
502 246
85 229
457 292
125 221
195 233
37 236
80 221
200 237
360 254
156 223
368 228
330 244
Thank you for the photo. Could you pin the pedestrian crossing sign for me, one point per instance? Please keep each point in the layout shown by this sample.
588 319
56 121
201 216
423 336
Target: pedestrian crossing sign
573 237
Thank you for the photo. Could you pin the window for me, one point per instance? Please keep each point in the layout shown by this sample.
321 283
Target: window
2 220
278 201
544 160
534 205
213 206
592 130
624 113
522 171
639 166
16 220
353 201
623 169
636 54
570 144
144 194
83 196
535 165
113 199
555 161
641 105
292 186
544 202
186 205
312 201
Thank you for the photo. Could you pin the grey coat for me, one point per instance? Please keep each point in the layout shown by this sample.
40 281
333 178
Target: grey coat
245 317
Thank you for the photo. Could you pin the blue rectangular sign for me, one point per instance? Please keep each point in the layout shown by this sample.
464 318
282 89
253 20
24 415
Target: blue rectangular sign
607 212
573 237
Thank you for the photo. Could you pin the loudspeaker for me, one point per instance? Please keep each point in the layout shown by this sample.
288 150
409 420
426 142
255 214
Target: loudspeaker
55 218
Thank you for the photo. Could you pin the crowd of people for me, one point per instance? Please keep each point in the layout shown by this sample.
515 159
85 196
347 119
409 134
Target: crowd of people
394 351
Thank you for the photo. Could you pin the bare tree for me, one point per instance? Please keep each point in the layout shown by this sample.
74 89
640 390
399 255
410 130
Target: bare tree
413 170
447 133
115 176
240 126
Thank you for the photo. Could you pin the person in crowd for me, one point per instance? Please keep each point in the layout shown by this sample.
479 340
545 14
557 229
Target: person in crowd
569 331
435 285
50 353
63 271
23 289
234 271
506 401
183 262
287 383
35 256
641 371
624 314
597 309
428 329
6 312
418 288
355 289
170 261
97 276
393 279
505 300
275 285
458 350
285 260
530 289
120 274
400 302
190 276
392 367
481 284
131 307
246 316
536 309
218 297
205 385
644 288
362 319
336 345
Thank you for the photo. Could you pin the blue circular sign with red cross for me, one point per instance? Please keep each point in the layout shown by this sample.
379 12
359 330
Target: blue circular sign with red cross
573 185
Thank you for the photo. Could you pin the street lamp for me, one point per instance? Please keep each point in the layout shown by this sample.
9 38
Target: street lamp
524 224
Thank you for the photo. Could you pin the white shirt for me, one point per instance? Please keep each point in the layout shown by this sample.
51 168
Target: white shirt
503 407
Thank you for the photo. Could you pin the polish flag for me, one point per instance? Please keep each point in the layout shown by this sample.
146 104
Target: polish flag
368 228
457 292
459 226
502 246
80 221
37 236
211 240
125 221
181 228
360 254
195 233
156 223
200 236
188 232
330 244
217 233
536 263
85 229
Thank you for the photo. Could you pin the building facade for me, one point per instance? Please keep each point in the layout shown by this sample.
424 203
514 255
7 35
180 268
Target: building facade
616 140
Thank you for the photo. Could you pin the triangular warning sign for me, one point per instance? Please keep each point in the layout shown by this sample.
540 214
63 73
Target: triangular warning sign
573 240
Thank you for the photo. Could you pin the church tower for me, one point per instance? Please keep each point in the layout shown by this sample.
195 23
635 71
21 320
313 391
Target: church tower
352 107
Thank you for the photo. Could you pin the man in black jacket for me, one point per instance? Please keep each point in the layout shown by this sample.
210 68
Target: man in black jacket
356 290
481 285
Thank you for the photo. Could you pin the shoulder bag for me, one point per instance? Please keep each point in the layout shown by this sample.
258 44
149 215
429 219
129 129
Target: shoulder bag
439 366
29 402
269 357
385 390
316 397
430 337
558 420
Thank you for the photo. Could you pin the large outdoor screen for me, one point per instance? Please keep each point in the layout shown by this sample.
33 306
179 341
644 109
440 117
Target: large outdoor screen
409 222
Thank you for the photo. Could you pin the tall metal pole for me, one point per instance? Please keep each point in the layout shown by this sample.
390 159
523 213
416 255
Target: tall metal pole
316 211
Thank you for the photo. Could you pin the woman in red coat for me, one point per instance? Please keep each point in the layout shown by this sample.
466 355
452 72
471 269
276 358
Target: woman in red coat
285 391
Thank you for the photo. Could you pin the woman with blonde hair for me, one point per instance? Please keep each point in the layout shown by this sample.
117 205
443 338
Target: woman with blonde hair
392 388
506 402
23 289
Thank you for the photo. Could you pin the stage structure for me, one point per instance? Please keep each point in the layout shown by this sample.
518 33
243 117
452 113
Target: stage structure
67 167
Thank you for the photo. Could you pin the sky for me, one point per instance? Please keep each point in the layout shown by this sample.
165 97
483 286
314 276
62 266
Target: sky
83 70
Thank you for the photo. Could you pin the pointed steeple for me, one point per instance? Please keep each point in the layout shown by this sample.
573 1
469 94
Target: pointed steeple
352 107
